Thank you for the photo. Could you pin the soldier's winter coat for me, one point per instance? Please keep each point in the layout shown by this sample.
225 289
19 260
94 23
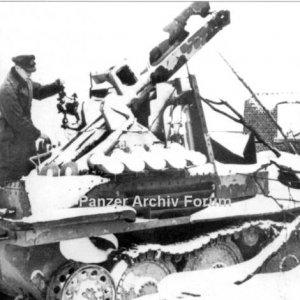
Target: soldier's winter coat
17 131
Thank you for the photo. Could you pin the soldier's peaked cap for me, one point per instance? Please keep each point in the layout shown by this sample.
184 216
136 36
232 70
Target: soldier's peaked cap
26 62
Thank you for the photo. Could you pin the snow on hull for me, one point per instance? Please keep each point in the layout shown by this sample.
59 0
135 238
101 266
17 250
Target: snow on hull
51 197
52 193
259 205
287 159
69 213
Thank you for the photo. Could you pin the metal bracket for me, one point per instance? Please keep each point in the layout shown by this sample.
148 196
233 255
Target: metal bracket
197 96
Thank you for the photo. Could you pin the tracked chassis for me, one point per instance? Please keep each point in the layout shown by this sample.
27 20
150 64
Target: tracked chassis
70 250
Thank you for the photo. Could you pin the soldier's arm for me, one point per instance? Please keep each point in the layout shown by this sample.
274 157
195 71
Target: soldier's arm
43 91
12 112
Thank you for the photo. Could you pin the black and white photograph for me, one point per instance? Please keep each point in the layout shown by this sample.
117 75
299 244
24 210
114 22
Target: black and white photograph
149 150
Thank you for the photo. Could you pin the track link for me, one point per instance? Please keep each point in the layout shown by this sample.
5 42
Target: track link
270 228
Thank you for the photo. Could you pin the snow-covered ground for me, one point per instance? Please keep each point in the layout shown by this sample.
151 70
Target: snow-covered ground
239 281
208 285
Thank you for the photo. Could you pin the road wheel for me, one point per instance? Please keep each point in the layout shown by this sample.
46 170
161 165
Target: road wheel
141 276
81 282
219 254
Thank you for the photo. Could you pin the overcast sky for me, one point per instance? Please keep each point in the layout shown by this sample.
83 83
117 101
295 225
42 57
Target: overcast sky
72 39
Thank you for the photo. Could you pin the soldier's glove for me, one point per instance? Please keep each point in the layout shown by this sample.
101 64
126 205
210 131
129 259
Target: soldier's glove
60 83
46 138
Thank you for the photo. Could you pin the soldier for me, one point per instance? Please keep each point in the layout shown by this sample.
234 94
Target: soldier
17 132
